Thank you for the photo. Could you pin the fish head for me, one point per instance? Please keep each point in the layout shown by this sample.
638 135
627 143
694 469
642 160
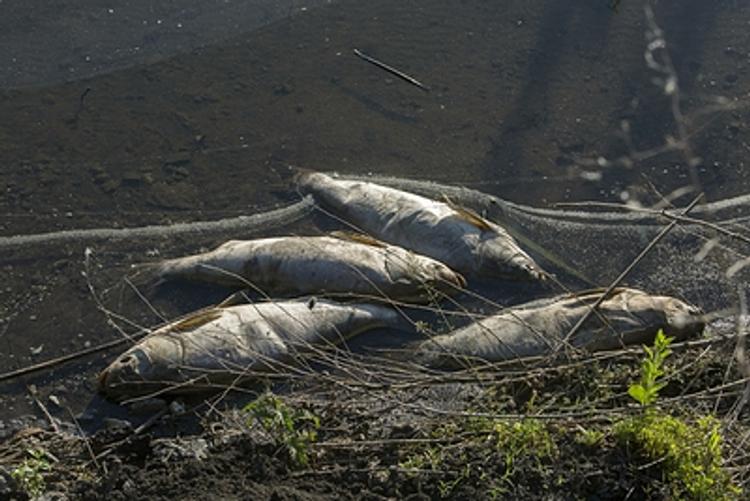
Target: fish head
439 276
682 320
416 278
675 317
147 367
499 256
310 181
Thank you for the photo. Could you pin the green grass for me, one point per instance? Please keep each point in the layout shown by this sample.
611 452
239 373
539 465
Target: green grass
689 453
29 474
293 429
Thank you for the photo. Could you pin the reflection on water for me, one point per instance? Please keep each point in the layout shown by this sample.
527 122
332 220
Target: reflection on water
44 43
206 116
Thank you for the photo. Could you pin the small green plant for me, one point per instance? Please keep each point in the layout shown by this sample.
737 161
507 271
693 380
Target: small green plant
433 459
430 458
690 454
652 368
29 473
293 429
527 437
589 437
446 487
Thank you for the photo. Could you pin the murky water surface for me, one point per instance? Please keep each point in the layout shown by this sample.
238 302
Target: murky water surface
150 113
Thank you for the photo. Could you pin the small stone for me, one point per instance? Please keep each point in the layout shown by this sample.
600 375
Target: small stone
283 89
130 489
176 407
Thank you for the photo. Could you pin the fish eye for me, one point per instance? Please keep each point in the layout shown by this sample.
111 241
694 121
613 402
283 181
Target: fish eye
127 359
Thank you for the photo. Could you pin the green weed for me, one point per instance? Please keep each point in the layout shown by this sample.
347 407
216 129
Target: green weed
690 454
652 368
293 429
429 458
29 474
589 437
527 437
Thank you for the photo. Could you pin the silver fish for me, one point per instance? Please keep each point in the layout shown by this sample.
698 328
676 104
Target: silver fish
453 235
539 328
217 345
345 264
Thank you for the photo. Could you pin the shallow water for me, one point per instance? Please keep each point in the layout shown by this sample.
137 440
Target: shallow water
203 125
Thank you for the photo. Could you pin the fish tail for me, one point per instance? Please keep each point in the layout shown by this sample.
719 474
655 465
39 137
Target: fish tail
301 176
148 277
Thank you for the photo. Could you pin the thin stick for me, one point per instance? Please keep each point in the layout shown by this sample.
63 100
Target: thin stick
391 70
38 402
663 213
629 268
86 442
145 426
66 358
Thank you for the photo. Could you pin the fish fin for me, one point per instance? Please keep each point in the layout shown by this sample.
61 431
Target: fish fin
299 174
593 294
239 297
195 320
147 277
361 238
469 215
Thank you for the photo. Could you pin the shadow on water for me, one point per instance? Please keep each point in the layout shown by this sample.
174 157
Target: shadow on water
688 29
563 29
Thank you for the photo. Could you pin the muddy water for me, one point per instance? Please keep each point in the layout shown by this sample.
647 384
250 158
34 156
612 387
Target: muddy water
204 129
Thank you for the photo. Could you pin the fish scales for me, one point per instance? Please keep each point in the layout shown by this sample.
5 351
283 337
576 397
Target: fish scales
313 265
463 240
540 328
219 344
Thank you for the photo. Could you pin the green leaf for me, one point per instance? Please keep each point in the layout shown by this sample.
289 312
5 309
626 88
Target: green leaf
639 393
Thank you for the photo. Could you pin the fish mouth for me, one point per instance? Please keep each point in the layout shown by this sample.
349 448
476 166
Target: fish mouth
536 274
302 177
445 279
123 373
452 278
686 320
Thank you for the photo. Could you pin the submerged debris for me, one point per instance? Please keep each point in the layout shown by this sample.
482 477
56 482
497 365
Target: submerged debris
539 328
462 239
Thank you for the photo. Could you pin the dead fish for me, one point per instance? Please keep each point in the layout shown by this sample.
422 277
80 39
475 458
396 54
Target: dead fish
458 237
216 346
340 264
539 328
